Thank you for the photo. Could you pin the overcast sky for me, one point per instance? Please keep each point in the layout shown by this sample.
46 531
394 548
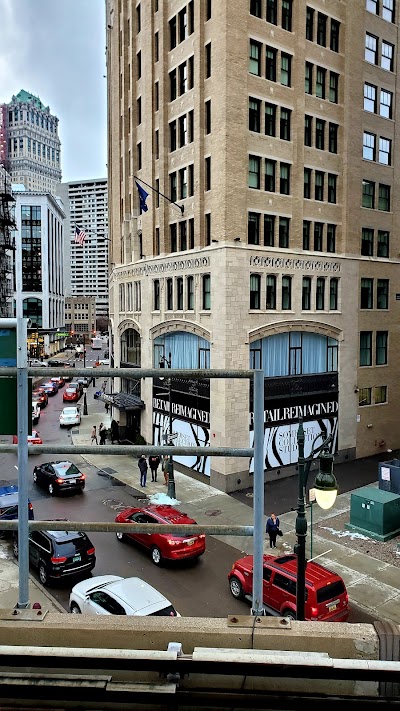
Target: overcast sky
55 49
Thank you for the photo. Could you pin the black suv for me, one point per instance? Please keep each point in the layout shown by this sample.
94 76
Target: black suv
59 554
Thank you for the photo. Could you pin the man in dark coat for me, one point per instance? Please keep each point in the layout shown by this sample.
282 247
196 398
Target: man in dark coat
114 431
142 464
154 463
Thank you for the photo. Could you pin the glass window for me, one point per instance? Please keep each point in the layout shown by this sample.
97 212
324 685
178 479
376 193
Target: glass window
286 293
383 243
320 83
172 33
270 175
208 118
284 227
272 11
207 162
190 293
269 230
333 87
270 119
285 124
331 238
172 187
182 236
255 8
385 151
287 15
284 181
156 294
371 49
381 347
286 69
172 136
372 6
380 394
253 228
369 150
306 294
320 134
310 24
370 98
335 28
321 29
306 234
382 294
271 292
308 122
172 86
366 301
387 56
183 28
367 242
364 396
384 198
368 194
308 78
254 172
320 294
333 294
208 58
332 188
318 236
319 185
208 10
365 348
206 292
307 183
255 291
254 114
179 293
385 104
388 10
255 58
170 295
173 237
270 63
207 227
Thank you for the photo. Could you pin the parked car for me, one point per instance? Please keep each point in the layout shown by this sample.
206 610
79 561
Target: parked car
9 505
70 416
71 394
50 388
59 381
36 363
113 595
59 477
54 362
59 554
326 595
163 545
35 413
33 438
40 396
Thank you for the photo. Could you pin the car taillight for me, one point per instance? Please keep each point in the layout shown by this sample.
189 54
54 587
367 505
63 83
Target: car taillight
82 476
61 559
59 481
91 551
346 599
314 612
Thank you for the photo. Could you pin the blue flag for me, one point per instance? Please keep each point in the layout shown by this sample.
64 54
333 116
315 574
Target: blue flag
142 198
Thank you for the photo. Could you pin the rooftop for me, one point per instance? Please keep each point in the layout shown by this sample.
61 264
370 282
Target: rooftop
25 97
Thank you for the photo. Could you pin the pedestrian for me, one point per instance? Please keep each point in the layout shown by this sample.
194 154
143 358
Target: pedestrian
142 464
102 433
107 407
273 530
154 464
114 431
165 468
103 387
93 436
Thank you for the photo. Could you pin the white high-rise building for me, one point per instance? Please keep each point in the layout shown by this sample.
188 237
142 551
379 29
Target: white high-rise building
86 265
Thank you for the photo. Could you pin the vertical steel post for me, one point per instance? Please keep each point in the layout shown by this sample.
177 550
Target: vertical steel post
23 411
301 528
258 496
311 527
171 479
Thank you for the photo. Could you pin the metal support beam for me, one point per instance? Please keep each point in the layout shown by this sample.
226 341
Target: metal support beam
22 422
258 498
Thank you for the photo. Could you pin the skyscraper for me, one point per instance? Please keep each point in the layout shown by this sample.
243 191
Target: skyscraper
272 123
29 143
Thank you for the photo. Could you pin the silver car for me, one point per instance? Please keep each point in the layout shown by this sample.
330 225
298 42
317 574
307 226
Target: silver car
113 595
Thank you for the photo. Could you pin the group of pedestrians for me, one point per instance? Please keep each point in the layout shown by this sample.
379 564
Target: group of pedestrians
153 463
103 431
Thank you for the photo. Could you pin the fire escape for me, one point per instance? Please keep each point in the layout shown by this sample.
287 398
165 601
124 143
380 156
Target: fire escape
7 247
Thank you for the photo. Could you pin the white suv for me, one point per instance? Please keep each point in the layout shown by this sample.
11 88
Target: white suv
113 595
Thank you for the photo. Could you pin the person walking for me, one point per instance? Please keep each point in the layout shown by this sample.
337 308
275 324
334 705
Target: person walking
93 436
102 433
165 468
114 431
107 407
154 464
142 464
273 530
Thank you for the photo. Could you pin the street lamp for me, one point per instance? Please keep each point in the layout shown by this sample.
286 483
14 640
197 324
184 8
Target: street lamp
326 489
171 481
85 410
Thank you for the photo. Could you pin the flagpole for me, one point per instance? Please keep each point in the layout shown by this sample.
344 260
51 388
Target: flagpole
180 207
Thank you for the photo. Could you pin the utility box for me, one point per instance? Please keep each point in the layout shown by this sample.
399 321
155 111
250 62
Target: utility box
389 476
375 513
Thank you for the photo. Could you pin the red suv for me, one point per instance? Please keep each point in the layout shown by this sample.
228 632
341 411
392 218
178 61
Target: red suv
326 595
163 545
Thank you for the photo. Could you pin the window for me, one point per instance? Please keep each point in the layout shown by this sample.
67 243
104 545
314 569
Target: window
371 49
255 291
380 394
285 124
172 33
156 96
307 183
269 230
208 173
139 155
255 8
270 63
318 236
191 72
191 233
335 27
385 151
385 104
156 144
370 98
170 294
310 24
306 234
270 175
253 228
284 181
369 146
308 78
183 28
172 86
287 15
172 136
286 293
333 137
173 237
320 134
382 294
183 183
333 87
207 217
321 29
208 10
368 194
255 58
387 56
388 10
182 130
206 305
270 119
320 294
271 292
254 172
254 115
320 83
272 12
139 65
372 6
384 198
383 243
333 294
364 396
286 69
139 110
366 293
208 59
156 295
172 187
284 224
306 294
381 347
191 126
190 293
308 121
367 242
319 185
179 294
182 69
332 188
365 348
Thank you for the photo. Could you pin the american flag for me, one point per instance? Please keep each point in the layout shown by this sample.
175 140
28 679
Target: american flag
80 235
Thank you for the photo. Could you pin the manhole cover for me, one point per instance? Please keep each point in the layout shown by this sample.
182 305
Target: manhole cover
217 512
108 470
75 432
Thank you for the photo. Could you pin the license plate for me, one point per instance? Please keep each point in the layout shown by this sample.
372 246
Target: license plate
76 558
71 481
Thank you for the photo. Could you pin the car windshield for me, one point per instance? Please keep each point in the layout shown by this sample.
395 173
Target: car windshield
63 470
165 612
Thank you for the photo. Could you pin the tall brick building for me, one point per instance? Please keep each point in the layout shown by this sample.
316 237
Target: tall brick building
272 123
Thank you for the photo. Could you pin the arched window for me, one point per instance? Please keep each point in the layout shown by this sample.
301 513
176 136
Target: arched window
130 348
294 353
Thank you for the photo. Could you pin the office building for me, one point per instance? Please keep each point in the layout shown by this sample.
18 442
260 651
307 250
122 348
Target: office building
7 244
86 264
30 148
272 124
80 314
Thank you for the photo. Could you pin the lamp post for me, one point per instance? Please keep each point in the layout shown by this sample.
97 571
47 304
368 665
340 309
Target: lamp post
171 481
85 410
326 489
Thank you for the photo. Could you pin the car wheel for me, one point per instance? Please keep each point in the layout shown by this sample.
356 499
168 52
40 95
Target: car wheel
120 537
156 556
15 548
43 577
34 478
289 614
51 489
236 588
75 610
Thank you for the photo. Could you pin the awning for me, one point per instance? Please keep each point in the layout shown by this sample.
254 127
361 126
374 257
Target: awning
123 401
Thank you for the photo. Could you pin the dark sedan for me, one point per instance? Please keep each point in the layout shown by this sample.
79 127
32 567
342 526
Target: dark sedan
50 388
59 477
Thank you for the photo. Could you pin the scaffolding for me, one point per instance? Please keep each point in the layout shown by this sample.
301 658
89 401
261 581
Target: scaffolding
7 243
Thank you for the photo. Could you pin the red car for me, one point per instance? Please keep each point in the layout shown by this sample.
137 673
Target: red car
41 397
58 380
326 595
34 438
163 545
71 395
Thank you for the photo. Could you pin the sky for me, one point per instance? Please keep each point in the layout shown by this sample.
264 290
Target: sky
55 49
